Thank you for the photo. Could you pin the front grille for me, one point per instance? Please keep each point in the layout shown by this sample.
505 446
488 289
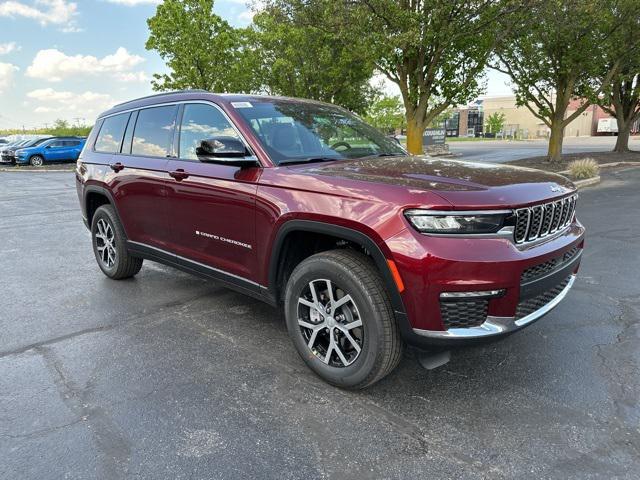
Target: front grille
530 305
542 269
464 314
541 220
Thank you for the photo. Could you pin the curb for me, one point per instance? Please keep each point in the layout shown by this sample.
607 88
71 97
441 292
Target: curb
587 182
34 171
606 165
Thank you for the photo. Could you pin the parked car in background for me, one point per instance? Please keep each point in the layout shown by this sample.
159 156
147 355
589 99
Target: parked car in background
58 149
4 149
3 141
9 154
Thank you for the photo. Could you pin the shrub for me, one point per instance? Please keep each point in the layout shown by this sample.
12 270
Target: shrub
584 168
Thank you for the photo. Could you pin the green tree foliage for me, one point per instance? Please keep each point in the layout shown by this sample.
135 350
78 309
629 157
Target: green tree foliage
621 96
200 48
434 50
297 56
60 128
387 114
556 53
495 122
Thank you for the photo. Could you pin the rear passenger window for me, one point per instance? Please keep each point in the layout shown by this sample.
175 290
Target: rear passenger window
111 133
153 134
201 122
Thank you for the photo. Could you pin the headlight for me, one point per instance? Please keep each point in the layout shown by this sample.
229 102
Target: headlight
477 222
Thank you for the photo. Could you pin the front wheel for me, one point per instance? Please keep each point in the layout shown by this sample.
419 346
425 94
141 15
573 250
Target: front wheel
340 319
36 161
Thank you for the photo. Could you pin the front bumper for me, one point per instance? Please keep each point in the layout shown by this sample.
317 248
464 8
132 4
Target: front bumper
436 267
8 159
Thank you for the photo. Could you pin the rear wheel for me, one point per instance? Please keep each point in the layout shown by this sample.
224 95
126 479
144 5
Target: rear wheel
36 161
340 319
109 245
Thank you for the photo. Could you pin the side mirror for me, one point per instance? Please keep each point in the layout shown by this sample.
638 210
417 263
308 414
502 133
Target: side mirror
222 147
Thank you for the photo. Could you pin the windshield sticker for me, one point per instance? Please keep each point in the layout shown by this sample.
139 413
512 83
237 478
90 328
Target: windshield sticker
241 104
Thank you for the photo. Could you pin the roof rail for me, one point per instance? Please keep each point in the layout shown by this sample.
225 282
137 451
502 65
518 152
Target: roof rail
162 94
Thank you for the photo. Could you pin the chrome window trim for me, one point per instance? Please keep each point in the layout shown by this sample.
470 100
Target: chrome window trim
185 102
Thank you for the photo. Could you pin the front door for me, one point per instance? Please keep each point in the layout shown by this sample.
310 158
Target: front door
211 206
55 151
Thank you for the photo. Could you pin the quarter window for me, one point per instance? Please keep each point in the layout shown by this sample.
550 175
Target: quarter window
111 133
153 134
201 122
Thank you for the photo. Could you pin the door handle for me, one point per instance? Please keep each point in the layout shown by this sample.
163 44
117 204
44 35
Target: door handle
116 167
179 174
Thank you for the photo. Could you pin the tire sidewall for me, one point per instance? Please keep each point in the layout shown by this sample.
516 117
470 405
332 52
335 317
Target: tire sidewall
36 161
106 213
320 268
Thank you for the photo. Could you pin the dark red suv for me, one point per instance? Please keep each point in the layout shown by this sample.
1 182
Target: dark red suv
300 203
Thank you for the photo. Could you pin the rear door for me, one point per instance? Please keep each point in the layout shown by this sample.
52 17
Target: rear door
137 175
70 149
211 206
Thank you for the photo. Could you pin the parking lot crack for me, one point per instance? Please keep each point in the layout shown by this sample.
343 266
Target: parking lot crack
110 441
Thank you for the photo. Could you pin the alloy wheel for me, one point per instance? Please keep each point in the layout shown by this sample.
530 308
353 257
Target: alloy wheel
105 243
330 323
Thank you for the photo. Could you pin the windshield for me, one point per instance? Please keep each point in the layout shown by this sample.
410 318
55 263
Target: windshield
293 132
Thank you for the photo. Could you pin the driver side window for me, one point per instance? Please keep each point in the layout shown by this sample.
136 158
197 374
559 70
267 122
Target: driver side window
201 122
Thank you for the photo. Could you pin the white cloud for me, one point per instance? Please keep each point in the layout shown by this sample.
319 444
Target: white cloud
132 3
9 47
6 75
131 77
54 65
45 12
87 104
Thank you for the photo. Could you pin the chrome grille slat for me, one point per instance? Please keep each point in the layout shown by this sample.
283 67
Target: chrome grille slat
544 219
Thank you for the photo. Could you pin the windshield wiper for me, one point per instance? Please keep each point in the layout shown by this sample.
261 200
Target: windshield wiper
310 160
379 155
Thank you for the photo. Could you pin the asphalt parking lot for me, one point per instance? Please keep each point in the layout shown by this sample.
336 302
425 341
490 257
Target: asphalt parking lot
500 151
171 376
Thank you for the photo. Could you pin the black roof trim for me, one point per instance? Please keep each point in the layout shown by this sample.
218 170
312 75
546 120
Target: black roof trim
161 95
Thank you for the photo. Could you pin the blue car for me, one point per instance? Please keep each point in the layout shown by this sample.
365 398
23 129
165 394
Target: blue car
51 150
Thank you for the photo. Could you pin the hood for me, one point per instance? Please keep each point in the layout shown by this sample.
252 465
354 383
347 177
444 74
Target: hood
463 184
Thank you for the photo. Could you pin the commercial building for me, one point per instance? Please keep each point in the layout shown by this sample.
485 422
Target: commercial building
469 120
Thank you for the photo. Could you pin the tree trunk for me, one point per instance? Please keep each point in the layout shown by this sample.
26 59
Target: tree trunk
415 131
554 154
622 142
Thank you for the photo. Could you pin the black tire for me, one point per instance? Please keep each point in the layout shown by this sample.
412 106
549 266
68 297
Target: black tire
124 265
355 275
36 161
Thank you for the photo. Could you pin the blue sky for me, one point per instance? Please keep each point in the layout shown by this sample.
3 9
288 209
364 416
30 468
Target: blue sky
64 59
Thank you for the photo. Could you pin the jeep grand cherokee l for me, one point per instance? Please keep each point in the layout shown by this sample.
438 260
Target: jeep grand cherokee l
301 204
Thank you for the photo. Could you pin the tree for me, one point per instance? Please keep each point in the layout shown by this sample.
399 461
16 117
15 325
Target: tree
557 53
621 97
386 114
495 122
200 48
297 57
60 124
434 50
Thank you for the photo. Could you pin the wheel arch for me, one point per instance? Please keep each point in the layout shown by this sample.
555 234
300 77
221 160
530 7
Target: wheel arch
94 197
337 231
